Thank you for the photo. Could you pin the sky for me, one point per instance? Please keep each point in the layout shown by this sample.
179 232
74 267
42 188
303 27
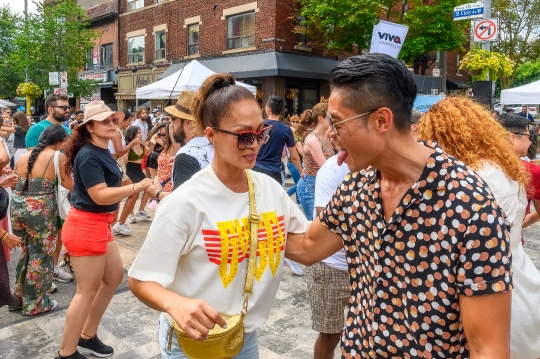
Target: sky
18 5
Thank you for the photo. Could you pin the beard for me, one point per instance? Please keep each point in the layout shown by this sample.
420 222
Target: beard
58 117
179 134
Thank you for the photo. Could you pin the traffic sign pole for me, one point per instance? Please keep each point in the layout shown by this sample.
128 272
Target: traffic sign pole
487 15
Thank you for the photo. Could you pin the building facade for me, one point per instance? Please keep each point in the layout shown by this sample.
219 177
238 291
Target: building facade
253 40
102 60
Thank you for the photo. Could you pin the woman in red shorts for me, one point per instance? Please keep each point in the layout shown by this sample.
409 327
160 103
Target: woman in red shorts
87 229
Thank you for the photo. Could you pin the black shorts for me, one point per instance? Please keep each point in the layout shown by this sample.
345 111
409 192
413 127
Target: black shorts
151 160
134 172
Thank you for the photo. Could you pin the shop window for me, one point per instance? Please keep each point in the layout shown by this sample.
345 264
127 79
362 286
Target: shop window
241 31
136 49
160 45
135 4
106 55
193 39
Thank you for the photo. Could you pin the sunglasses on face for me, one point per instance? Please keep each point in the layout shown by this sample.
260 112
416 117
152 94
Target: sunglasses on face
108 121
161 135
334 125
65 108
294 121
247 138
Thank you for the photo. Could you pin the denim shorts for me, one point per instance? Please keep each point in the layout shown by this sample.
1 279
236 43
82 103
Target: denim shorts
305 191
250 350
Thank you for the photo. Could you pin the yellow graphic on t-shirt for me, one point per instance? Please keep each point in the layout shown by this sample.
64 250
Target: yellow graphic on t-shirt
229 245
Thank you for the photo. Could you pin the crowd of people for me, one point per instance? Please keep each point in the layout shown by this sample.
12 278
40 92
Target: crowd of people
409 225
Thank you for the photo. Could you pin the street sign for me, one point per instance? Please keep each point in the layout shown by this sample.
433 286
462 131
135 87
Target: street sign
436 73
469 11
60 91
53 78
63 80
486 30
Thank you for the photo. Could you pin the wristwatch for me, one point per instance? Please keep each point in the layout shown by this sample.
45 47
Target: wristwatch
157 195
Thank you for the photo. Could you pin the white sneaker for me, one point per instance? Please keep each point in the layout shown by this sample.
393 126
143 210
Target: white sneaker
131 219
54 304
295 267
54 288
143 216
60 276
122 229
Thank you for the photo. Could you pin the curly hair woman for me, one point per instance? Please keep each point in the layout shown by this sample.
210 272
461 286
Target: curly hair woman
87 230
465 130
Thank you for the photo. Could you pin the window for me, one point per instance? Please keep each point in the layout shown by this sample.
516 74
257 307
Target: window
160 45
106 55
89 59
135 4
193 39
136 49
300 32
241 31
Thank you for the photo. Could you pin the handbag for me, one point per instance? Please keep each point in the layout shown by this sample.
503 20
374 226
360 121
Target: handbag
62 194
226 343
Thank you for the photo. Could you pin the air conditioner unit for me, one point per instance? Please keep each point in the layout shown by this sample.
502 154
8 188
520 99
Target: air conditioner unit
434 91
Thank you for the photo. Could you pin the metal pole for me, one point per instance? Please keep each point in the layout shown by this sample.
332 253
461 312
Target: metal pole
26 29
486 45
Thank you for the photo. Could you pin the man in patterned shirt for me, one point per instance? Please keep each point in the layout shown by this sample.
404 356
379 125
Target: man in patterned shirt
427 246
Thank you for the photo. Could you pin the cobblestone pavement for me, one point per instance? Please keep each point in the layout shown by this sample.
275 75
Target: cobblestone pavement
131 327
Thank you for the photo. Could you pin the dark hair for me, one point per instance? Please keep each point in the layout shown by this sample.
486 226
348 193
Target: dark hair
127 114
79 138
78 112
214 99
513 123
276 104
374 80
131 133
52 135
20 119
53 99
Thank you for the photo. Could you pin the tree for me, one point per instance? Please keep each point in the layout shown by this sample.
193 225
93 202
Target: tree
526 73
10 77
57 38
519 32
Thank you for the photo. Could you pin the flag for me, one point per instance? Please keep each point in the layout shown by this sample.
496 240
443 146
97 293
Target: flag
388 38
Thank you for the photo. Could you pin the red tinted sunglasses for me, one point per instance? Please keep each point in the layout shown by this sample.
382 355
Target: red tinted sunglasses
247 138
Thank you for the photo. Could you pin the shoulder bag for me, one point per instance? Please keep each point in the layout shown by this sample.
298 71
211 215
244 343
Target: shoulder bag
62 200
226 343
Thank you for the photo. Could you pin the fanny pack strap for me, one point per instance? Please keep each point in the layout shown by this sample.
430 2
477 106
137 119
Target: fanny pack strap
254 220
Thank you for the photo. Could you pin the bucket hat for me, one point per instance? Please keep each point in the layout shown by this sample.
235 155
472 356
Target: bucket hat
98 111
182 108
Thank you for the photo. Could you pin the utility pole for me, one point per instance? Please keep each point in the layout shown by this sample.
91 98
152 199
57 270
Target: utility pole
26 30
486 45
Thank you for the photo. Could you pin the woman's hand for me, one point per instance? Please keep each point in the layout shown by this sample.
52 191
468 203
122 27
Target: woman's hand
142 185
196 317
12 241
9 181
7 170
136 141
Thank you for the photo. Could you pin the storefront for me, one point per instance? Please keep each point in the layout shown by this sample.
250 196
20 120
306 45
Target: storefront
106 89
129 81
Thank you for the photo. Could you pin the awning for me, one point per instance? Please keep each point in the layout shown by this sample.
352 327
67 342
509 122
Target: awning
267 64
452 84
122 96
106 84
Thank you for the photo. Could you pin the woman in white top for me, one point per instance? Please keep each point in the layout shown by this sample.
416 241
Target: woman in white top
465 130
192 265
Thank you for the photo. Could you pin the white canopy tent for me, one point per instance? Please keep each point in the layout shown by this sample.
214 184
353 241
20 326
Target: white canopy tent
526 94
191 78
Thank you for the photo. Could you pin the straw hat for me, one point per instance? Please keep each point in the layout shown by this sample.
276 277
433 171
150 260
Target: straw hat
182 108
98 111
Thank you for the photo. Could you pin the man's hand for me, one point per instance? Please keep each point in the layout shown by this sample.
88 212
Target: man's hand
154 188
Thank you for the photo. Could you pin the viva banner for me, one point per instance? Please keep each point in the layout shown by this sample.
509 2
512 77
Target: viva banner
388 38
423 103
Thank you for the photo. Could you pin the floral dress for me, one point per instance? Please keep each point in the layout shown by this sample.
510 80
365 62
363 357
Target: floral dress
34 219
164 172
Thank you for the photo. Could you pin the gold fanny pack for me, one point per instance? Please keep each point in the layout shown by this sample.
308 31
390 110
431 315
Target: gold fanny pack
225 343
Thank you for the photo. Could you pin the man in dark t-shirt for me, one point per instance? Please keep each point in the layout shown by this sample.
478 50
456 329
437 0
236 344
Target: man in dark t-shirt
269 157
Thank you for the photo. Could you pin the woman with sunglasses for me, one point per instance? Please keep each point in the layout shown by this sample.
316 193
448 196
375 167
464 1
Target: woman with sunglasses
118 148
317 148
165 165
87 229
192 265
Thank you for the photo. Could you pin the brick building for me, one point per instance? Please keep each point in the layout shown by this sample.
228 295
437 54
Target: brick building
103 59
255 41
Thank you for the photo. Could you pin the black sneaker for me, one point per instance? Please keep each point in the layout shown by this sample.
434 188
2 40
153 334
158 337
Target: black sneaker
75 355
96 347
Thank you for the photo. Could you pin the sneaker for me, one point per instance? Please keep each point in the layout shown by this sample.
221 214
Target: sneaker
54 304
75 355
122 229
152 205
131 219
143 216
96 347
295 267
54 288
61 276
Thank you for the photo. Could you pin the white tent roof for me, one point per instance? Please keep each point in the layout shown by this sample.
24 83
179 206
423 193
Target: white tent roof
191 78
527 94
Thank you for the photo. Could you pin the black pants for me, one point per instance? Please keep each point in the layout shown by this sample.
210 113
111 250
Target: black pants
274 175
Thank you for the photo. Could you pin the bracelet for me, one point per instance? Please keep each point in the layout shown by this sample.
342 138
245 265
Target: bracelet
4 236
157 195
133 184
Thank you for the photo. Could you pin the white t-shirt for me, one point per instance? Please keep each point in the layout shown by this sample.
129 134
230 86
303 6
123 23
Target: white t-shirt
143 126
199 228
111 144
328 179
